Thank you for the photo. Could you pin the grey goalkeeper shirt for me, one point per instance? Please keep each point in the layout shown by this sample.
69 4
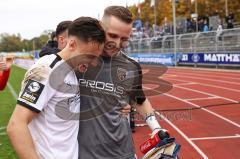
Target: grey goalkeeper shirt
103 132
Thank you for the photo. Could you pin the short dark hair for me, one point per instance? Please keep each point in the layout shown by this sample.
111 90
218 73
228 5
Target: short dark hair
119 12
87 29
53 35
62 27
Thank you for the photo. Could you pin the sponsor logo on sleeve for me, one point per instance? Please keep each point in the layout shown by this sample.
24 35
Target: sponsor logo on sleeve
32 91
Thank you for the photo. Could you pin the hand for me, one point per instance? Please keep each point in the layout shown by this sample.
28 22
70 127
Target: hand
3 65
9 61
126 110
163 133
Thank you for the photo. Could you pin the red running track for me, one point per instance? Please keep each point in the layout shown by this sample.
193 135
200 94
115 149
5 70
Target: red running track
200 107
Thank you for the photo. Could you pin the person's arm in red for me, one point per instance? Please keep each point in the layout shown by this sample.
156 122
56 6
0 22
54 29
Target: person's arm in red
4 78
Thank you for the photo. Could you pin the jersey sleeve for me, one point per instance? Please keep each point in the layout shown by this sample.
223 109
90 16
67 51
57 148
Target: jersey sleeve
36 92
137 95
4 78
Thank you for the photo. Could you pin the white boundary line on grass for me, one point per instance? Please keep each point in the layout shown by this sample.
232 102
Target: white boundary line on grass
3 133
13 92
20 66
215 138
3 128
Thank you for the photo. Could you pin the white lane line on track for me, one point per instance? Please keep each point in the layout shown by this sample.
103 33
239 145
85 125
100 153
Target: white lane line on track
169 75
215 138
209 111
209 94
215 71
208 85
197 106
184 84
201 92
172 73
206 79
206 98
183 135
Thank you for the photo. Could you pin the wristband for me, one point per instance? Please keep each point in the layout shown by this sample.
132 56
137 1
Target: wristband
152 122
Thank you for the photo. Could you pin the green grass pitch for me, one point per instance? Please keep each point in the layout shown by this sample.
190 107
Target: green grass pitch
7 104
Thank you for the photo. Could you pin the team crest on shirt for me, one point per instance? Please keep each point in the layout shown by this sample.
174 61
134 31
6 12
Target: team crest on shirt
32 91
121 74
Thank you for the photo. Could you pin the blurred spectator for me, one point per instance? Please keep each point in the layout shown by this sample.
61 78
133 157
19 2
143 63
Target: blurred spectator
58 40
200 25
5 64
190 25
156 30
180 28
205 27
230 20
219 30
50 47
167 29
138 24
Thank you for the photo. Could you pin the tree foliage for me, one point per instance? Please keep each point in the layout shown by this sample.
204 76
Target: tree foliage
184 8
11 43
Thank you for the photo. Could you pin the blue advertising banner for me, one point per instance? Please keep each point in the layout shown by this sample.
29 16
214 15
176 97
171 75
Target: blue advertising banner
210 58
154 58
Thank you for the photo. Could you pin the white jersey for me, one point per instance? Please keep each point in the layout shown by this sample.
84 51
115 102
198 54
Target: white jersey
51 89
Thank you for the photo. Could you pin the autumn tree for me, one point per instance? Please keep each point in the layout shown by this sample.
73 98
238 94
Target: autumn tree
184 8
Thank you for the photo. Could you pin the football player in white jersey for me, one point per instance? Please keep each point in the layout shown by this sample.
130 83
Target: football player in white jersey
44 124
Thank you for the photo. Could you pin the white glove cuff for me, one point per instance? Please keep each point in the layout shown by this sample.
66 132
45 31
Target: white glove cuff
152 122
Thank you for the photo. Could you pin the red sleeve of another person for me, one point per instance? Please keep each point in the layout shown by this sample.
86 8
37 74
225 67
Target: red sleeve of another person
4 78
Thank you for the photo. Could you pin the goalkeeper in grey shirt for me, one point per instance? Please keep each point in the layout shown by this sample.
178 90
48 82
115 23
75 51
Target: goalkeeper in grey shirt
116 82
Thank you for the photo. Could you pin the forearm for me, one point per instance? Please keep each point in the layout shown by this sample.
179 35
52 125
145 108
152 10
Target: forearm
147 111
21 140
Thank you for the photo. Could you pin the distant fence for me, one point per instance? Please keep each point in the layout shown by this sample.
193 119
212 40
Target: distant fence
211 48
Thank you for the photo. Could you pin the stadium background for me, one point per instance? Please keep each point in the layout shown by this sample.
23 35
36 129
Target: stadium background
205 101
